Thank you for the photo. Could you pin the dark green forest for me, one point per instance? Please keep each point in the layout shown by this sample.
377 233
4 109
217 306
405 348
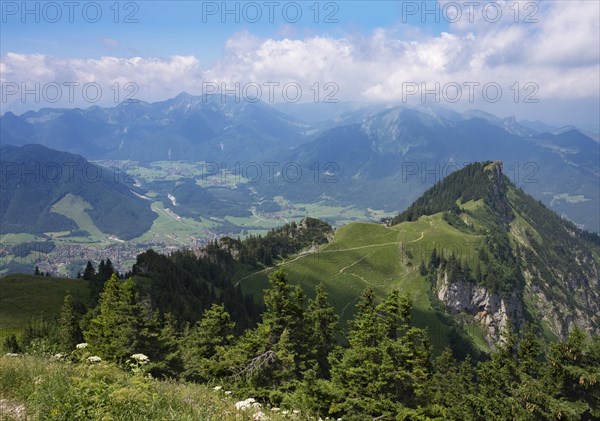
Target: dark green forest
296 357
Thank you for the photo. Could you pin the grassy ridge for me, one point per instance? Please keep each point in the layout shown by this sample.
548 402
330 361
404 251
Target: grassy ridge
364 255
25 296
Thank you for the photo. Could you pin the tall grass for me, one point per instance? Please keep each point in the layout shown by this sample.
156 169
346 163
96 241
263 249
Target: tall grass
57 390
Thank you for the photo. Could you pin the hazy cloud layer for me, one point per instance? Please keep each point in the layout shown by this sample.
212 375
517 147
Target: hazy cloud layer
559 54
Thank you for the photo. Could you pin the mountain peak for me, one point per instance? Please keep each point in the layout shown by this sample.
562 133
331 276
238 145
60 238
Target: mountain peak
478 181
495 168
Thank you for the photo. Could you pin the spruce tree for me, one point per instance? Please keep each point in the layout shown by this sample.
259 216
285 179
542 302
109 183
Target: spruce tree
115 332
206 342
384 370
69 332
89 271
322 325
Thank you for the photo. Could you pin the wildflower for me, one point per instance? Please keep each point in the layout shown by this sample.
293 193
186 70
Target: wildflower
140 357
275 409
82 345
295 411
243 405
12 354
217 387
285 412
259 416
94 359
58 356
228 392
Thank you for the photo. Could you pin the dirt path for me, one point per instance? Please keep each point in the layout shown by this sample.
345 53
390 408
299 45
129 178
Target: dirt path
353 263
309 252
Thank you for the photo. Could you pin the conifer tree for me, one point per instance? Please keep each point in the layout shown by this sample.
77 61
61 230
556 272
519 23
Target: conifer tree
114 333
206 342
89 271
69 332
322 324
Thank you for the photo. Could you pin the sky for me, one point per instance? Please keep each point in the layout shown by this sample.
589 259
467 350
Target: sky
538 60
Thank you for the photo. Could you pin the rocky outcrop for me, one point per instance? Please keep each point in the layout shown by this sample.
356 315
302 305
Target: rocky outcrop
498 192
493 312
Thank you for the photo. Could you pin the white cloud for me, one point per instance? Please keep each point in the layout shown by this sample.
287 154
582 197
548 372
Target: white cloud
560 54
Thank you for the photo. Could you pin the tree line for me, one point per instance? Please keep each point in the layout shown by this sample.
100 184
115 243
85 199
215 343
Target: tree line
296 356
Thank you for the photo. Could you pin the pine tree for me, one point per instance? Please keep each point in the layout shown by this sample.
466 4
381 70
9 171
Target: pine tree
322 324
434 260
355 372
384 371
206 342
285 310
115 332
109 269
69 333
37 271
262 357
160 343
575 369
89 271
105 271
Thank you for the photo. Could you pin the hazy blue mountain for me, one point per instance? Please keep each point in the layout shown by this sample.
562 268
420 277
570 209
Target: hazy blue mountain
44 190
185 127
377 156
387 159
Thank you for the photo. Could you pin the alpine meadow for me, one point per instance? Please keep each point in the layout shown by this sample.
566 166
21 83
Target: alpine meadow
326 210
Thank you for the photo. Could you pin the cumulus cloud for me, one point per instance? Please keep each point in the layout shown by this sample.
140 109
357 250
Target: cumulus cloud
559 53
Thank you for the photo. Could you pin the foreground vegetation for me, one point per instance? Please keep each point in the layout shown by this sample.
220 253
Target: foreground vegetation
36 387
290 360
366 353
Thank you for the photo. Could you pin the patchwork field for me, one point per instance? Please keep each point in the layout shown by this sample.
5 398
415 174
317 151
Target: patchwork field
64 253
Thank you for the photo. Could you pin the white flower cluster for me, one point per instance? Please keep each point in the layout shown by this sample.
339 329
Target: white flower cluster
12 354
94 359
260 416
140 357
247 404
82 345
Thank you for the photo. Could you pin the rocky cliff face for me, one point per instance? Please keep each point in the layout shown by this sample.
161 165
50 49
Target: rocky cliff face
566 300
493 312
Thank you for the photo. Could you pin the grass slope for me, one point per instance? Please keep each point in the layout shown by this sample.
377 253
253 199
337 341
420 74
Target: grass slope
74 207
364 255
39 388
25 296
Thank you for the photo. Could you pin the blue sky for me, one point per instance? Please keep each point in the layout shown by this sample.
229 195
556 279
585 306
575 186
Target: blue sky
159 28
377 51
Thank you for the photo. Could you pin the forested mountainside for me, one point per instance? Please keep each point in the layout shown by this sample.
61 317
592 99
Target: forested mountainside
476 287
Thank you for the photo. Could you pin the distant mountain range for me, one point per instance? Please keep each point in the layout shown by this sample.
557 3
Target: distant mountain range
44 190
387 159
377 156
183 128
